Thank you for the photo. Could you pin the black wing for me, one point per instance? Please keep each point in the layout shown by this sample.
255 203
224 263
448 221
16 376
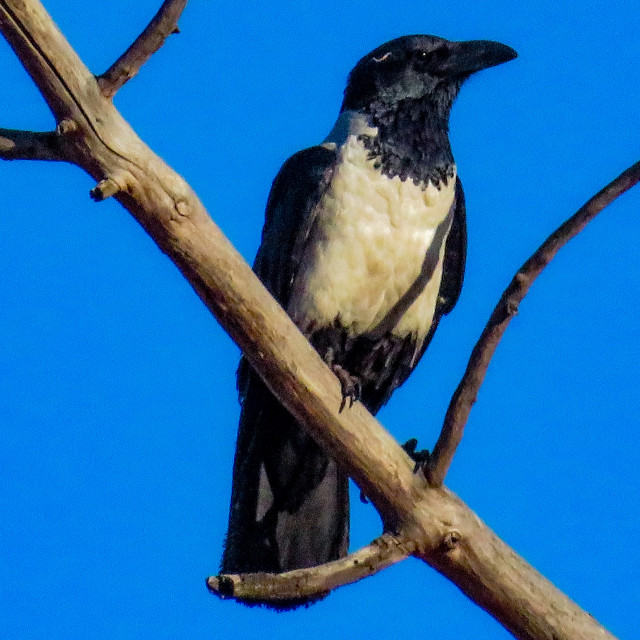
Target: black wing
455 257
289 503
289 217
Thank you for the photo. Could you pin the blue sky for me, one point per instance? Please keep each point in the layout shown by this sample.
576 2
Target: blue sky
117 400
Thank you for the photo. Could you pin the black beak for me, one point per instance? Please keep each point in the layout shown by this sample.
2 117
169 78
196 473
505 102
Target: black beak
465 58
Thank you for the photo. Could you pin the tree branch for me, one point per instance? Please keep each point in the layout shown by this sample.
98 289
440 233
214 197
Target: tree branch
163 24
467 391
314 582
29 145
65 83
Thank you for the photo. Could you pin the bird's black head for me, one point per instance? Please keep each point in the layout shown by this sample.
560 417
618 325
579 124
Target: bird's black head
419 67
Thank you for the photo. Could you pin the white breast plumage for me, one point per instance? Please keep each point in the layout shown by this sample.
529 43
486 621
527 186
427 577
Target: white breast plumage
367 247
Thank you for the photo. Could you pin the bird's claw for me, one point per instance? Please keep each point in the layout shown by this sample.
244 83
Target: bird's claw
421 458
351 386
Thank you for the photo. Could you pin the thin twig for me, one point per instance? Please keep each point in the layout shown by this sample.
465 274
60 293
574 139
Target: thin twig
314 582
164 23
29 145
466 393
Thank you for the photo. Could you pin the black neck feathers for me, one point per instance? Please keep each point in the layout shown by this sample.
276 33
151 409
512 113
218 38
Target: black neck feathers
412 140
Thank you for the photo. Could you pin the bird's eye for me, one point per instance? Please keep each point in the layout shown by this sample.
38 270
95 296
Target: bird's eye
429 57
422 56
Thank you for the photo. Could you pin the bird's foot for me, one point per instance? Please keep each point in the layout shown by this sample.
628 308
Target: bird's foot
421 458
351 387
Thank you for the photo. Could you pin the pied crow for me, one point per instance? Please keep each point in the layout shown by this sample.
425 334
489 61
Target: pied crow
364 246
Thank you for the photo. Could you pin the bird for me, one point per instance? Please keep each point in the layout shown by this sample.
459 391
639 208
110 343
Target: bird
364 246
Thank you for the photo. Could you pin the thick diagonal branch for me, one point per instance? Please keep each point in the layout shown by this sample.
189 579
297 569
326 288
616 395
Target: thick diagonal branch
314 582
163 24
465 395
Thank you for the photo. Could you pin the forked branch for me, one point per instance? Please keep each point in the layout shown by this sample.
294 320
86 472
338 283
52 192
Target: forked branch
466 393
163 24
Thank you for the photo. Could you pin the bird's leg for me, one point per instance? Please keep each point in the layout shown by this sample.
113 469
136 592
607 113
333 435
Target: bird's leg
351 386
421 458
